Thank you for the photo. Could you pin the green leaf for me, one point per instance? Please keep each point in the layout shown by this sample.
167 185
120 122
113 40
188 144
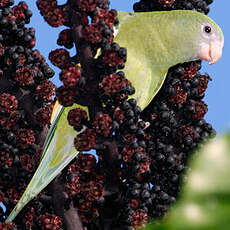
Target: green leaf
205 200
58 152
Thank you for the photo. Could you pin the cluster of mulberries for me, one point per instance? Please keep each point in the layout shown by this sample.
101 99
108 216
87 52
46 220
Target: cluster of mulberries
159 5
54 15
26 101
177 126
176 119
84 186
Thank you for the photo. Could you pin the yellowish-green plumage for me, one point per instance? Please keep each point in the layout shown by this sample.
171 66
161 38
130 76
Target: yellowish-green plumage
156 41
58 152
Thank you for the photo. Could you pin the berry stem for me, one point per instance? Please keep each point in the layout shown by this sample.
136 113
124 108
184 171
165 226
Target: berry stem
87 63
111 180
86 56
70 217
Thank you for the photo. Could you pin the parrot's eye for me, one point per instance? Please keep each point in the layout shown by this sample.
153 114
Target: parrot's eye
207 29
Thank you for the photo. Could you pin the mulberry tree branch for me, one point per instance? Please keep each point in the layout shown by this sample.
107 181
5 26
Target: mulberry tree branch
93 102
70 216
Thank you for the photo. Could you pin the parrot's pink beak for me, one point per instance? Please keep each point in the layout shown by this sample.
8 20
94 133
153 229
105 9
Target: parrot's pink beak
211 52
215 51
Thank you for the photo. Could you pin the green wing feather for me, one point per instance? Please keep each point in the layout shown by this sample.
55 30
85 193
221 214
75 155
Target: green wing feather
58 152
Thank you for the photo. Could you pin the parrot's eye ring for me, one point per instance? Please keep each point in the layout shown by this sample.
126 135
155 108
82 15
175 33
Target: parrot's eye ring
207 29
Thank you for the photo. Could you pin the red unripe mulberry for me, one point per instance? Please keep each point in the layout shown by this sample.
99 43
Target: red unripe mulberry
128 152
76 117
200 110
203 84
43 115
92 190
49 221
103 124
119 115
4 3
19 11
86 162
24 76
6 160
65 96
59 57
56 17
10 122
93 33
13 195
70 76
45 91
72 187
114 83
65 38
87 6
111 58
25 138
190 70
179 97
139 219
108 16
45 6
26 162
8 226
8 103
85 141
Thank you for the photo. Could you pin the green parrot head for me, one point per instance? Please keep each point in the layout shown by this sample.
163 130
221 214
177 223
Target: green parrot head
202 33
211 39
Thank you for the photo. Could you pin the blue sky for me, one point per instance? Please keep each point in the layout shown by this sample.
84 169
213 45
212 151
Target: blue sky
218 92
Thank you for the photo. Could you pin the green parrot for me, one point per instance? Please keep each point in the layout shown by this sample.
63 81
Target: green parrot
155 41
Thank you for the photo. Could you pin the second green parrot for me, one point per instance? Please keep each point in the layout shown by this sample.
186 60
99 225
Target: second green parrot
155 41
